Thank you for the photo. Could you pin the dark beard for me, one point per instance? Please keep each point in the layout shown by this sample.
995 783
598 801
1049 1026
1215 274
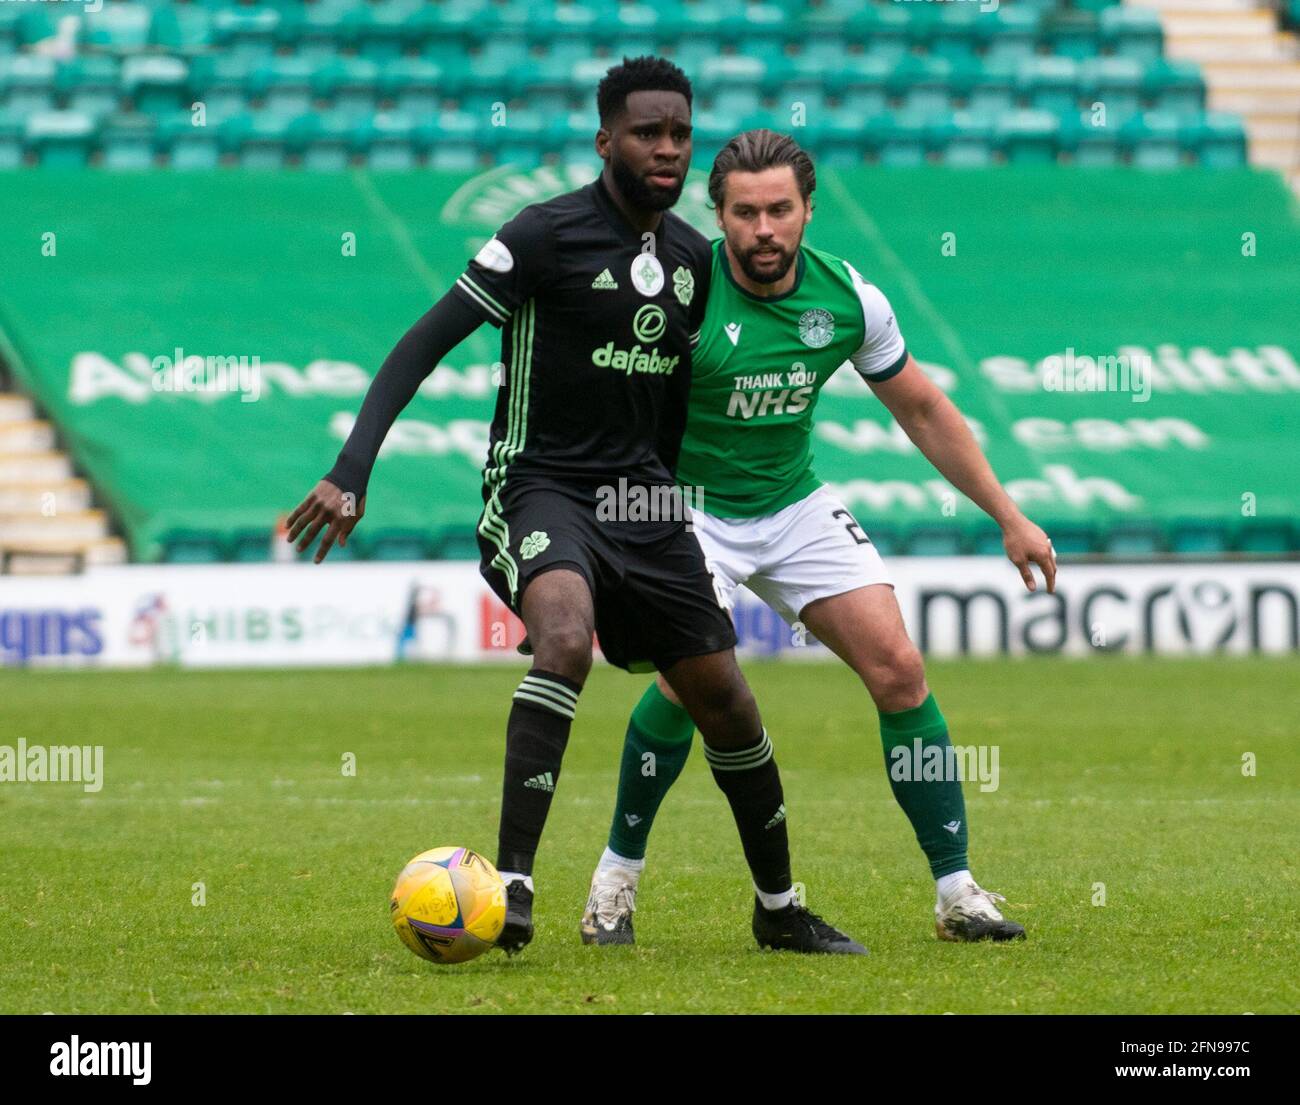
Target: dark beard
759 277
638 193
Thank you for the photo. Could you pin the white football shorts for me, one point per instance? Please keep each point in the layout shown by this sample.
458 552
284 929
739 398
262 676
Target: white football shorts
810 550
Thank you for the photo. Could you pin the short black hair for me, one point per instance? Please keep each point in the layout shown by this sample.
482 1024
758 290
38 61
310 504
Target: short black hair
643 74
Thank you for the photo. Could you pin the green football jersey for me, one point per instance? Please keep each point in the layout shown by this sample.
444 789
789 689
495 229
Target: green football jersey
757 372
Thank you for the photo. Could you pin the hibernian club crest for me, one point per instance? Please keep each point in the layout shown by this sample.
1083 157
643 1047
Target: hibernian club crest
684 285
816 328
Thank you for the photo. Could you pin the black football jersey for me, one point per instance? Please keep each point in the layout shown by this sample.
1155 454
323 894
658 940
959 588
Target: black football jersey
597 326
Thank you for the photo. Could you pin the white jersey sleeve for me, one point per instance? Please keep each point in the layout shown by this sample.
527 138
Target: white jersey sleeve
883 352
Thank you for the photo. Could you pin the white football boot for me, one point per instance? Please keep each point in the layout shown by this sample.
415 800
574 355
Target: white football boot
970 913
610 905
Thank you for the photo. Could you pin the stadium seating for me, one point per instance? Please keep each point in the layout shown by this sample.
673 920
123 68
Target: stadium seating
893 83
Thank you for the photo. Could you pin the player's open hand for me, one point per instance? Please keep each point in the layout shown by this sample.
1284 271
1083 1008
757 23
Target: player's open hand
327 508
1027 544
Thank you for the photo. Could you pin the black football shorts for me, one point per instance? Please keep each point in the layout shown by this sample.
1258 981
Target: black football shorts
654 598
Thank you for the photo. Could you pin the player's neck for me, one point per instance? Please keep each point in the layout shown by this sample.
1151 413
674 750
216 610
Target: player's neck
643 222
763 291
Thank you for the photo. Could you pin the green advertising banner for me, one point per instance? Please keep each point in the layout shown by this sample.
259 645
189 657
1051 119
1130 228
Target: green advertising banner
1125 344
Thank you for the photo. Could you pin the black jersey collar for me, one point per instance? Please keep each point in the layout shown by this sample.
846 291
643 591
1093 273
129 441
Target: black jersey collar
798 277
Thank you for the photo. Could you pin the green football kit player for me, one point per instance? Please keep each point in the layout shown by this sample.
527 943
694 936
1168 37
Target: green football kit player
781 318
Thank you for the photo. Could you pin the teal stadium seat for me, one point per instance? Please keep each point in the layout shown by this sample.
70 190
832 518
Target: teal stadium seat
1175 86
221 83
186 145
899 138
921 84
388 30
1072 33
1049 84
286 85
1009 33
1072 538
883 30
27 83
322 142
89 84
986 540
10 29
127 141
118 28
1153 140
452 140
1217 139
322 30
934 541
953 31
456 544
524 140
885 537
1197 537
861 85
11 140
193 547
730 84
246 32
412 85
386 141
1028 137
61 139
1116 83
1089 145
182 29
1263 536
964 139
1132 32
155 85
990 86
400 545
350 84
1133 539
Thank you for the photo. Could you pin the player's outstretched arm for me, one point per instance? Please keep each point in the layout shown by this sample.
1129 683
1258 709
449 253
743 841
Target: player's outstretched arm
937 428
337 503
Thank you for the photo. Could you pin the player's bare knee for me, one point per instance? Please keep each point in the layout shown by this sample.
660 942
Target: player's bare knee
729 715
896 679
564 649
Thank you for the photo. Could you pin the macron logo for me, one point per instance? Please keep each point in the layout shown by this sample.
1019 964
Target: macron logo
90 1058
632 819
953 826
733 331
544 781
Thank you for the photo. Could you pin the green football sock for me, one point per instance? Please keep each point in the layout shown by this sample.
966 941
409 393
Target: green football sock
925 784
654 753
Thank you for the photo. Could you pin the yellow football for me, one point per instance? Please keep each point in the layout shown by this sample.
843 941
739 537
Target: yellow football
448 905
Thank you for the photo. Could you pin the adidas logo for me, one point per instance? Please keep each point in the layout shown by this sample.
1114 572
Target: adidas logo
632 819
953 826
544 781
777 818
605 283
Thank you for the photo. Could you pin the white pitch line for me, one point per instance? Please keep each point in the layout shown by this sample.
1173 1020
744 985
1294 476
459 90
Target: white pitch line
398 232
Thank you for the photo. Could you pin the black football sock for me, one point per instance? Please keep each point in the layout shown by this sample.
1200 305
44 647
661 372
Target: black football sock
536 733
752 784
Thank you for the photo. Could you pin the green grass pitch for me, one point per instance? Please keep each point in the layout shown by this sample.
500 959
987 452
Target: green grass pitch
1126 773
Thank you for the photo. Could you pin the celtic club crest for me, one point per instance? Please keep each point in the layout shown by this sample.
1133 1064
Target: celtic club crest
684 285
